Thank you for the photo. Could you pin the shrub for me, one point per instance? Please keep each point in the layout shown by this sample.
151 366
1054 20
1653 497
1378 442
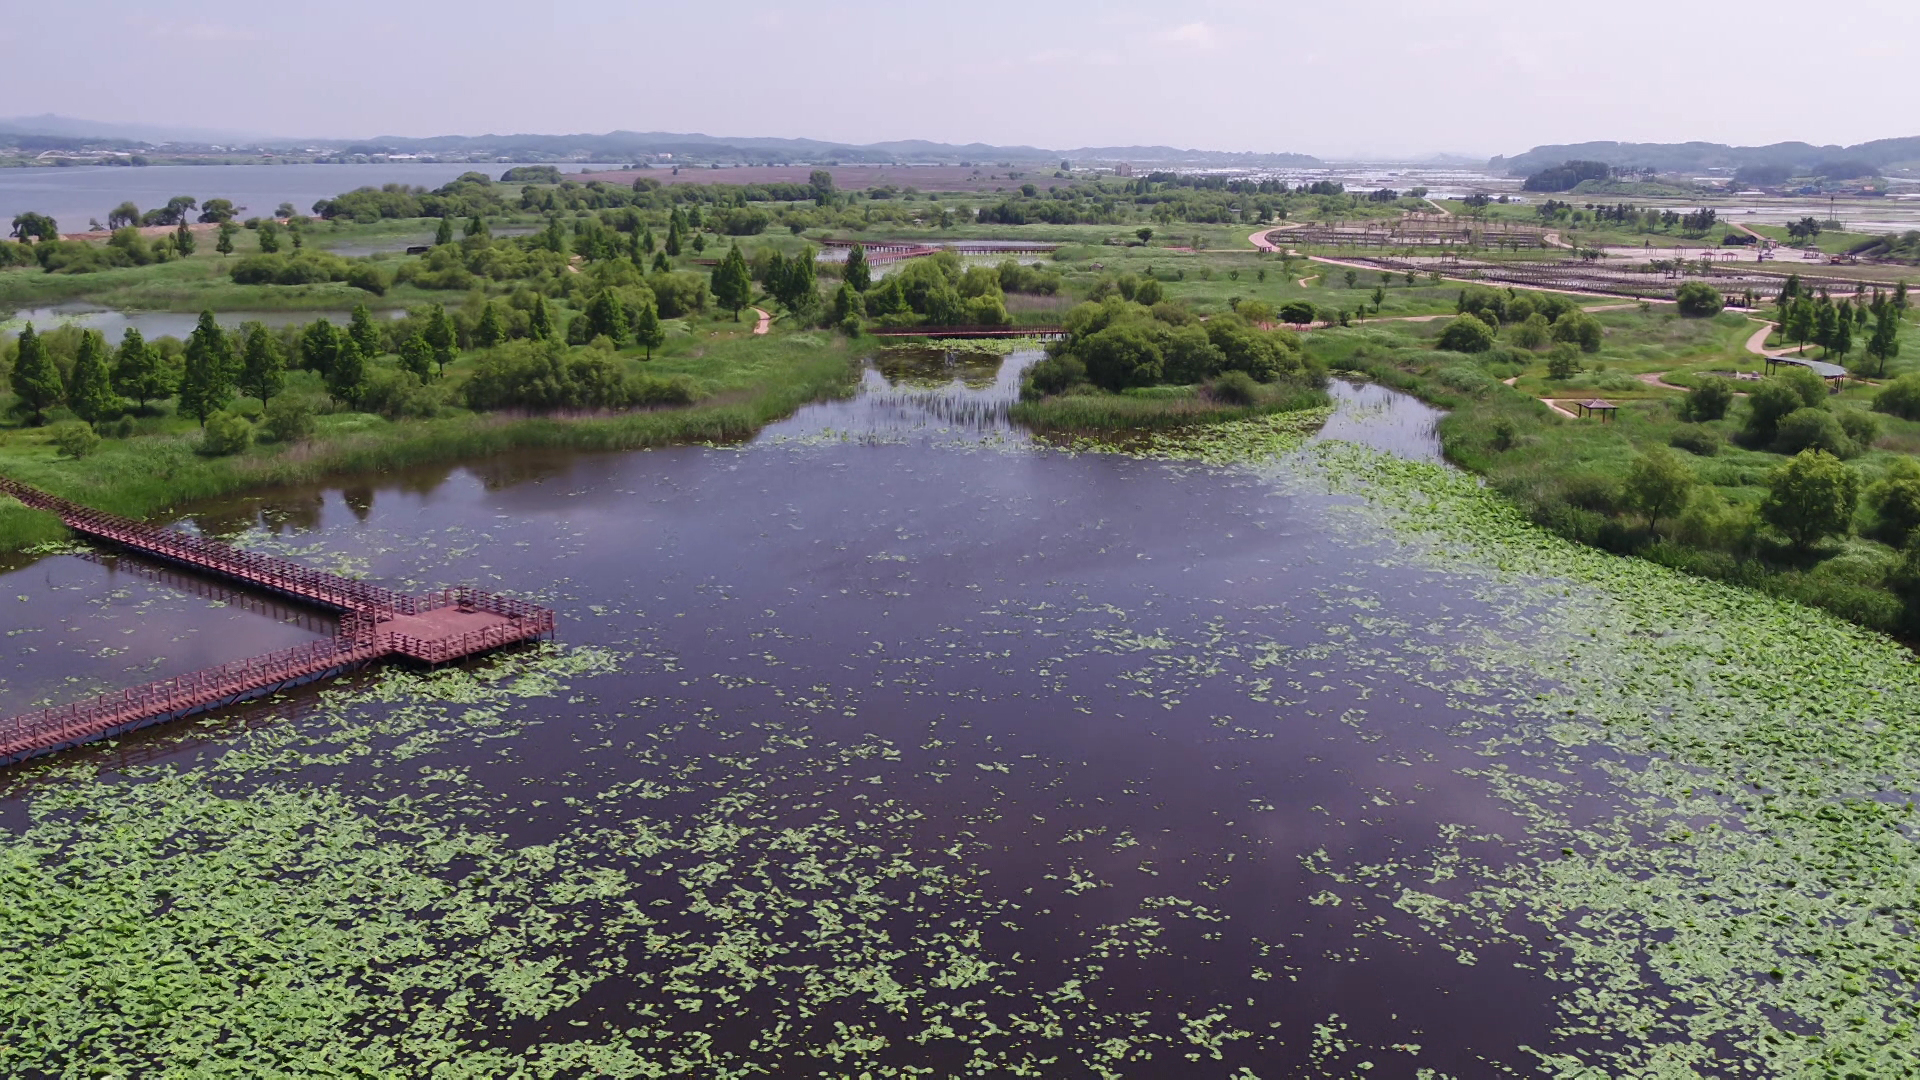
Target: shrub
1813 429
1900 398
1235 388
1698 300
1658 485
1708 401
544 375
1896 498
1579 328
1466 334
367 278
1768 404
1701 442
399 395
75 439
289 419
1861 427
226 434
1536 333
1563 362
1052 376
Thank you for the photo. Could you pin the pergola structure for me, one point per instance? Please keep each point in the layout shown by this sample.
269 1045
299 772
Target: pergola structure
1593 407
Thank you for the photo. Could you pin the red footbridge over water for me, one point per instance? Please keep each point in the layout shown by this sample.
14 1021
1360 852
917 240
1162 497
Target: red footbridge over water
374 624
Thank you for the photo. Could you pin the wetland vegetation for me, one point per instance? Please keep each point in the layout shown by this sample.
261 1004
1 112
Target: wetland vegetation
1176 741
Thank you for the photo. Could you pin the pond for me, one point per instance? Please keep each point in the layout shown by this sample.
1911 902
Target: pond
157 324
895 740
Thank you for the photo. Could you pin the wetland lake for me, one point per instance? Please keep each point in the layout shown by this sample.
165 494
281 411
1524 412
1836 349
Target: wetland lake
897 742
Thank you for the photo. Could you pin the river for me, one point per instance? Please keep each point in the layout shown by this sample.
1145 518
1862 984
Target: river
73 196
893 738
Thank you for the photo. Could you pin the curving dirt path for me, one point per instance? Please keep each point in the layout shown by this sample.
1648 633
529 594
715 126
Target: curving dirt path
766 321
1659 379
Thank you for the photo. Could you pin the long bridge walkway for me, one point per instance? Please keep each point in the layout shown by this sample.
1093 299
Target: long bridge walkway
375 624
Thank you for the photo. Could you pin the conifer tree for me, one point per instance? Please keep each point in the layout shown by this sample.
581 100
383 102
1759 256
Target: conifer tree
364 334
206 387
138 372
733 282
489 332
319 346
540 320
859 272
347 379
263 367
647 243
661 265
476 227
442 338
223 239
443 234
416 356
90 390
183 240
647 331
36 381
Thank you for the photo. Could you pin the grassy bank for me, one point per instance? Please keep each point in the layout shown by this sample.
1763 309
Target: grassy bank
1162 409
746 383
1570 475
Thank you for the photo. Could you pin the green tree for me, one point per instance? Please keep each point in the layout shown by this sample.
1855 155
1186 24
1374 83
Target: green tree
36 381
1811 497
183 241
214 211
1896 499
1798 322
796 287
1563 361
364 334
476 227
269 238
647 331
206 386
673 236
346 380
859 272
1466 334
39 226
223 237
444 233
90 389
1353 278
647 242
1579 328
1658 485
1841 343
263 367
1884 345
319 346
442 336
1709 400
489 332
606 316
1698 300
138 371
540 321
123 216
416 356
733 282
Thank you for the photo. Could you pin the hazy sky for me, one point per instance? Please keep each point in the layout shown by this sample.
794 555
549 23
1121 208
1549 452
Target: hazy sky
1384 77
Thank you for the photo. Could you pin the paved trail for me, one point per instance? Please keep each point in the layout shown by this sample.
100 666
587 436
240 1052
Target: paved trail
765 323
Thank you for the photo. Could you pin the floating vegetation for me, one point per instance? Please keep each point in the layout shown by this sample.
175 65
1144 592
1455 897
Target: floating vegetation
1221 753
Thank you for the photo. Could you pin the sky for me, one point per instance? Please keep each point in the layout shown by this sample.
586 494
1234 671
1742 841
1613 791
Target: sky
1380 78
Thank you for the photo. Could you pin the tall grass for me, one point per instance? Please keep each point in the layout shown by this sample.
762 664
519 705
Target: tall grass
1092 413
139 477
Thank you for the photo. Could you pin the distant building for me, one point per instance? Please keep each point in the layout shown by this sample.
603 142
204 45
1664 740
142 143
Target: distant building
1123 169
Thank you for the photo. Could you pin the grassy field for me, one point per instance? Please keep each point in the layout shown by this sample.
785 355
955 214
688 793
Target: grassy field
1568 474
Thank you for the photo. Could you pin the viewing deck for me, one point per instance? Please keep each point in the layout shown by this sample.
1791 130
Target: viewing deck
375 624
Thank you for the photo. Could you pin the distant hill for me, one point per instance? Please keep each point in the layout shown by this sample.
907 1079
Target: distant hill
618 145
1797 157
68 133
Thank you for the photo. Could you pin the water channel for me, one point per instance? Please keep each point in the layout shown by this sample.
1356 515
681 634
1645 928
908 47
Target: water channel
919 743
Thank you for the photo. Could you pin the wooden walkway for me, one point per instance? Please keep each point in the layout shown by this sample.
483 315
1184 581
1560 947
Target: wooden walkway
375 623
969 331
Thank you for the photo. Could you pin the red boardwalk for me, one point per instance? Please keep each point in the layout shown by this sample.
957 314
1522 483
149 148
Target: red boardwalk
376 623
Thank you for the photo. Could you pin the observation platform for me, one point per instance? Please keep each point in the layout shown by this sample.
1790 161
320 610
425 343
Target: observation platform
375 624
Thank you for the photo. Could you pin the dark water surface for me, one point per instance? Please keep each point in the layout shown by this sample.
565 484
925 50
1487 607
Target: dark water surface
1143 703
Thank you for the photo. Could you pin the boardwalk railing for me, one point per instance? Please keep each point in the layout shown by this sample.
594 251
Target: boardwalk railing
967 331
67 725
374 622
